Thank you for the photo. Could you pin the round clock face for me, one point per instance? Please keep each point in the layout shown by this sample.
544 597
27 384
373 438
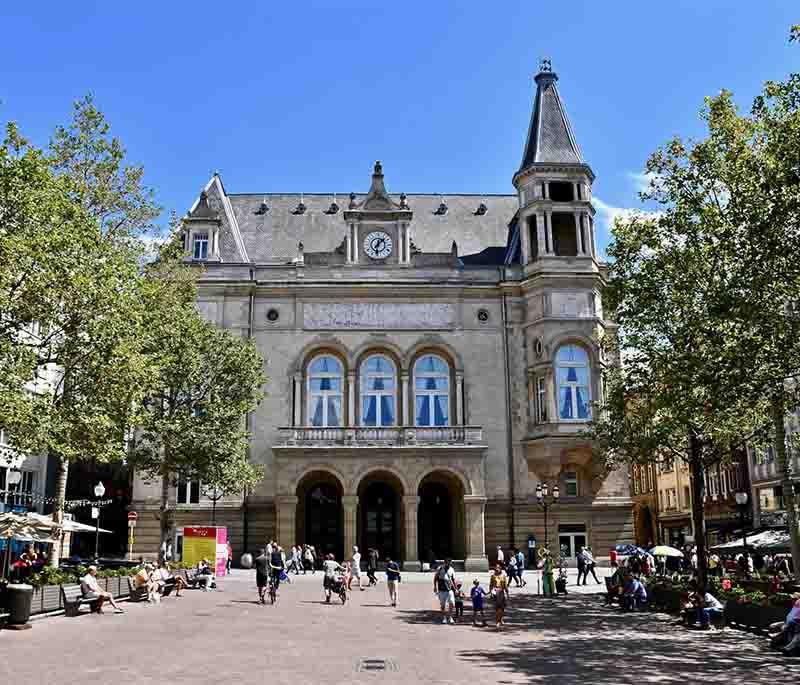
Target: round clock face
378 245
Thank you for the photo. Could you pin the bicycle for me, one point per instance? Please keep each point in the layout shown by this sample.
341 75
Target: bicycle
273 589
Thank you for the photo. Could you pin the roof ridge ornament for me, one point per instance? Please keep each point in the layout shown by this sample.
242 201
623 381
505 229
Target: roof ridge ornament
545 66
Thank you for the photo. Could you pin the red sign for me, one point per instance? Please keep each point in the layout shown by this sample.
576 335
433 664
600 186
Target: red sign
132 516
199 532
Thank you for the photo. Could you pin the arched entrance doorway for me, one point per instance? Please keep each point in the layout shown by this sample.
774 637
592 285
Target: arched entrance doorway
380 522
320 520
440 527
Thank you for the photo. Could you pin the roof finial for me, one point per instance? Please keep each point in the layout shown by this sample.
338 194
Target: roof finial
545 65
378 171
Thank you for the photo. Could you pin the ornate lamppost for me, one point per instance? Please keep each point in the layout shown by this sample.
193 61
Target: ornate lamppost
545 501
99 491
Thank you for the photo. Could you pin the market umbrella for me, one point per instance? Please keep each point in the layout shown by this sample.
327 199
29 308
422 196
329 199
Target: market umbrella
629 550
67 526
16 527
665 551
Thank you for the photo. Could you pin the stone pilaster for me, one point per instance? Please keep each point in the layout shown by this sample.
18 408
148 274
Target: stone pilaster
298 399
410 511
460 421
351 400
286 514
350 506
474 507
406 415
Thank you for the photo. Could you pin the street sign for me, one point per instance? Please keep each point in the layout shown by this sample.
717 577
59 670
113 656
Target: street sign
95 512
131 523
132 516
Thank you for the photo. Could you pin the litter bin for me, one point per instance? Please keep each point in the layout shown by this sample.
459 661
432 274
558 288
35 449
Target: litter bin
18 602
246 561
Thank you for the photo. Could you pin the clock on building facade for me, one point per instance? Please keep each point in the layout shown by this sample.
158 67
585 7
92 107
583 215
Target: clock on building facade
378 245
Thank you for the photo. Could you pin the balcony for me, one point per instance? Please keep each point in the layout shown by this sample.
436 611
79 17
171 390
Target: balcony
382 436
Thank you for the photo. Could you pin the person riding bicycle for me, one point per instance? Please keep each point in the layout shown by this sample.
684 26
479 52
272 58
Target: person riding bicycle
331 568
276 566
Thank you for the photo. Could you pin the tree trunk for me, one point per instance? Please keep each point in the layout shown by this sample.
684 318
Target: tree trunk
697 471
165 510
58 509
781 466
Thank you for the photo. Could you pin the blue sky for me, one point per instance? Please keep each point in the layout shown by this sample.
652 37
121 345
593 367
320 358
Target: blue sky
305 96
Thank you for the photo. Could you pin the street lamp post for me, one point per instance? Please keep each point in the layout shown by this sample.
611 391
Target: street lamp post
99 491
542 493
741 505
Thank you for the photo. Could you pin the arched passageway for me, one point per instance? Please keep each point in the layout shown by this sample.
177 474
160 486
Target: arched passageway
380 521
319 513
441 530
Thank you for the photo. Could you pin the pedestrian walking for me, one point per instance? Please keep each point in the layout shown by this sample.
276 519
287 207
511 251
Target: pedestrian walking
511 570
520 566
309 561
372 565
444 582
477 595
262 574
355 569
580 560
498 588
392 579
590 565
229 560
459 603
501 558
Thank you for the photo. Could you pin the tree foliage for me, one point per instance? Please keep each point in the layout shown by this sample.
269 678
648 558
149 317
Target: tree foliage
700 292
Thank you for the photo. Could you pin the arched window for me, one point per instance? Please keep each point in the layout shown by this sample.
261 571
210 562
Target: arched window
572 378
325 383
378 391
431 391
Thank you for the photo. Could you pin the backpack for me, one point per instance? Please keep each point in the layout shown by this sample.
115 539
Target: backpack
443 580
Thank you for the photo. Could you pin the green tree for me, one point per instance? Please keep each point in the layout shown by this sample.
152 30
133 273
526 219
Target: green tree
191 420
72 312
693 289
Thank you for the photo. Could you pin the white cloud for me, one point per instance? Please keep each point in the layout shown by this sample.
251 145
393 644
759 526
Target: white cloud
607 214
641 180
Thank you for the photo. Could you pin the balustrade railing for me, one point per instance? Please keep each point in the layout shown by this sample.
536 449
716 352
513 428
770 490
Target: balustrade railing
381 435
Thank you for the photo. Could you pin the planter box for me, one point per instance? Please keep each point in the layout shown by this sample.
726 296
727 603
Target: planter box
46 598
752 616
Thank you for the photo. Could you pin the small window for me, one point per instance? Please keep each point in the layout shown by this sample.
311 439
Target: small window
561 192
571 483
188 491
686 496
200 246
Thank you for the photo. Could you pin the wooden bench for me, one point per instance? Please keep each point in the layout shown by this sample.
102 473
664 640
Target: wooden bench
136 594
73 599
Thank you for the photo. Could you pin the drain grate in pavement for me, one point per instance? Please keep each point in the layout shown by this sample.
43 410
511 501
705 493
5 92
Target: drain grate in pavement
375 665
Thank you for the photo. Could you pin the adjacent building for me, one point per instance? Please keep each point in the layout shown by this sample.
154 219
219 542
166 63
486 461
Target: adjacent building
431 360
645 495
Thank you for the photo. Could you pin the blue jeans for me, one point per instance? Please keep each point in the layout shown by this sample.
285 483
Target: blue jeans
705 615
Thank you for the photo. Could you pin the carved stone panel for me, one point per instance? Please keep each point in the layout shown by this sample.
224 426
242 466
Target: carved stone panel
378 315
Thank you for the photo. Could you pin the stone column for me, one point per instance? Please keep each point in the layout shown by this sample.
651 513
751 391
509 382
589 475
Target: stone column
460 400
298 399
540 234
524 235
549 229
349 242
590 231
351 399
546 190
579 234
350 506
474 506
354 242
410 511
286 515
552 397
405 418
407 239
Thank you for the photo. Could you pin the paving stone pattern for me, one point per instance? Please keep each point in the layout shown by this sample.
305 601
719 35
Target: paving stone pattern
227 636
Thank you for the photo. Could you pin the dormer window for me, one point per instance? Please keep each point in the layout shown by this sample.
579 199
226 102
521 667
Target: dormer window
333 209
263 208
441 210
300 209
482 209
200 246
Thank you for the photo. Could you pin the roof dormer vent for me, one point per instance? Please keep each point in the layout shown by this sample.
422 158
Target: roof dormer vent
482 209
441 210
263 208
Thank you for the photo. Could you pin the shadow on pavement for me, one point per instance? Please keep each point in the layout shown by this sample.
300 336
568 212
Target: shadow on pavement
575 639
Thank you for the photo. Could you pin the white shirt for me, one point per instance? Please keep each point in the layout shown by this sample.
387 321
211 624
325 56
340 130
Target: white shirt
356 562
330 568
712 602
500 556
90 582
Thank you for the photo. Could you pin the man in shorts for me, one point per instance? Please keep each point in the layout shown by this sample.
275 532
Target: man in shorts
355 569
276 565
262 574
444 583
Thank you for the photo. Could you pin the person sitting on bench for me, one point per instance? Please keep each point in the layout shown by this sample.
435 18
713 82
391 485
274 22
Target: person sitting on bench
204 575
91 591
147 583
167 580
701 608
788 637
634 594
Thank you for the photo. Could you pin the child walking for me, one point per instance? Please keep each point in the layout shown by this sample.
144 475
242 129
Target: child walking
459 596
477 594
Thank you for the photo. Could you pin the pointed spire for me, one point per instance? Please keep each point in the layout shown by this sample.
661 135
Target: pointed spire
550 136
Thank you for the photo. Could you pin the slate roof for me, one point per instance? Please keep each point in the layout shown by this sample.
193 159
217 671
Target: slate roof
272 237
550 136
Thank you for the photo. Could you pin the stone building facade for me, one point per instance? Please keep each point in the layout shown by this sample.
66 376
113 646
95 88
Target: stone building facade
431 359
